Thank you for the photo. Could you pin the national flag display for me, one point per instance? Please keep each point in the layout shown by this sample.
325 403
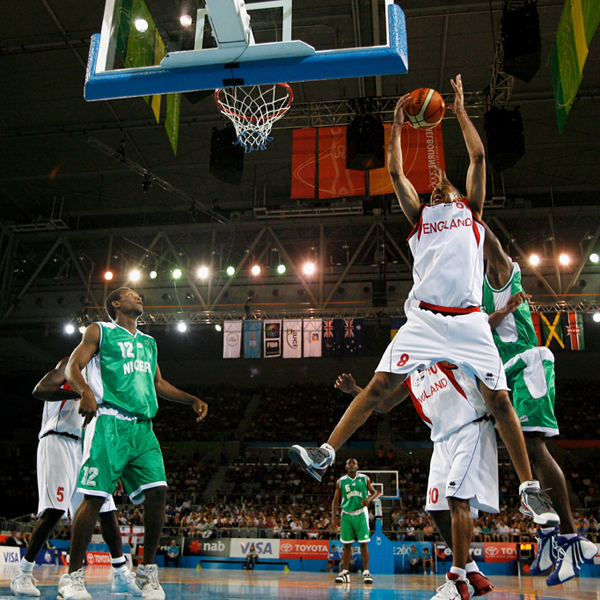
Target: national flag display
313 332
333 334
353 337
574 330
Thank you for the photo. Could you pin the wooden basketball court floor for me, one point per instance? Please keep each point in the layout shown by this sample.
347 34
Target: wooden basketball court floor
220 584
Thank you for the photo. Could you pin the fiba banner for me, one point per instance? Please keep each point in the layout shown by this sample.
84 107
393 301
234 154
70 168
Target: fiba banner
292 338
252 338
266 548
272 335
313 331
304 549
232 339
422 150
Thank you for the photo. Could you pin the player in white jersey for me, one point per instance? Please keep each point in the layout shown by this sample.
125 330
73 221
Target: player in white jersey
463 476
59 458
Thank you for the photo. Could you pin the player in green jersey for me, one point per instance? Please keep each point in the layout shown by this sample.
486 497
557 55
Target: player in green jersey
117 403
530 375
355 492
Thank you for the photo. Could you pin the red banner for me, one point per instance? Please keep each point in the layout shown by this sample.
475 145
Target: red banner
305 549
500 551
422 149
98 558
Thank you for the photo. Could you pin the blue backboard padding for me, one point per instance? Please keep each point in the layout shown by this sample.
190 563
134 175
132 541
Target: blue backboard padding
325 64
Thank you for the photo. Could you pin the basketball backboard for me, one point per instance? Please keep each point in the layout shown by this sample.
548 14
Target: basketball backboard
149 47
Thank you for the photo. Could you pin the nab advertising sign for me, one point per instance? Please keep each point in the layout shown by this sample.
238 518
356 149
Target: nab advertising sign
265 548
201 547
304 549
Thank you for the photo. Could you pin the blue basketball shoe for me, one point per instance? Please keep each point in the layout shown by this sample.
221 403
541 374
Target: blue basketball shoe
547 553
572 553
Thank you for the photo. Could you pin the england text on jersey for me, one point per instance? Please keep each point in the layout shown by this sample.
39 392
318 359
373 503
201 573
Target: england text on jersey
441 225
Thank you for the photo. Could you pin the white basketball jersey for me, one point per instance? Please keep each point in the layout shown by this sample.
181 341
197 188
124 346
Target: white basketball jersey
446 399
447 246
61 417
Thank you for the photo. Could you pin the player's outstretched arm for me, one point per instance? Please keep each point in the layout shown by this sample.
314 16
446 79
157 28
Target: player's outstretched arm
49 388
405 191
80 357
346 383
476 177
499 266
363 405
169 392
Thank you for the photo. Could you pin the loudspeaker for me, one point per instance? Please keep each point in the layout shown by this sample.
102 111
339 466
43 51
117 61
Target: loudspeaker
226 157
505 141
520 31
365 144
379 288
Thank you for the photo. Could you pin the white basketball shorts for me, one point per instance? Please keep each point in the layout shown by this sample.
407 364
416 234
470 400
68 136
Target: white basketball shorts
464 340
465 465
58 465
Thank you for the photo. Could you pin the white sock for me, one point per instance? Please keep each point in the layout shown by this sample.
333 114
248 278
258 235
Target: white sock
472 567
26 566
329 449
462 574
533 484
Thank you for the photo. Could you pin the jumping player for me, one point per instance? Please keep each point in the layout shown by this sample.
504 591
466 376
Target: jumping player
530 374
117 405
463 475
59 458
355 492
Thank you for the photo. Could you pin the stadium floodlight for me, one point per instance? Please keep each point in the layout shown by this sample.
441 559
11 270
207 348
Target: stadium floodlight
141 25
177 273
309 268
218 327
82 329
230 271
203 272
594 257
186 20
281 269
153 274
134 275
596 317
181 326
108 275
255 270
564 259
534 260
70 329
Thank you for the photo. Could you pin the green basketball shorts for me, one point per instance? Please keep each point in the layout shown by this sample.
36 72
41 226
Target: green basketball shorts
530 376
355 527
116 448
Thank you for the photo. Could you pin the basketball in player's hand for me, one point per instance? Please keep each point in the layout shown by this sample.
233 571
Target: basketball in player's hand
425 108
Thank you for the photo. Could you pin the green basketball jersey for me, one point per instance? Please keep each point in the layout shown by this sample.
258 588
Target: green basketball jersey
516 332
354 491
121 373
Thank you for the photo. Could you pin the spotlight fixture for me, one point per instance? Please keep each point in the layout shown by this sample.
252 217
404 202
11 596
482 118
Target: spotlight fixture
82 329
281 269
564 259
108 275
255 270
309 268
70 329
146 183
177 273
153 274
534 260
203 272
186 20
230 271
141 25
596 317
594 257
134 275
181 326
218 327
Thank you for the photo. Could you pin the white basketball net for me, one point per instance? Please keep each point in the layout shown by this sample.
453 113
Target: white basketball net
253 110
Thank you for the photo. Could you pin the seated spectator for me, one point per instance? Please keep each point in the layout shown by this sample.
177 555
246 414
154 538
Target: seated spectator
172 555
414 560
333 559
251 558
427 561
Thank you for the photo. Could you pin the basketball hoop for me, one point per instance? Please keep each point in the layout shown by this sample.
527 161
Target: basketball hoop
253 110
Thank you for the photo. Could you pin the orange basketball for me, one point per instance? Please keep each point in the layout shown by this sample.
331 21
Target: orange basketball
425 108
